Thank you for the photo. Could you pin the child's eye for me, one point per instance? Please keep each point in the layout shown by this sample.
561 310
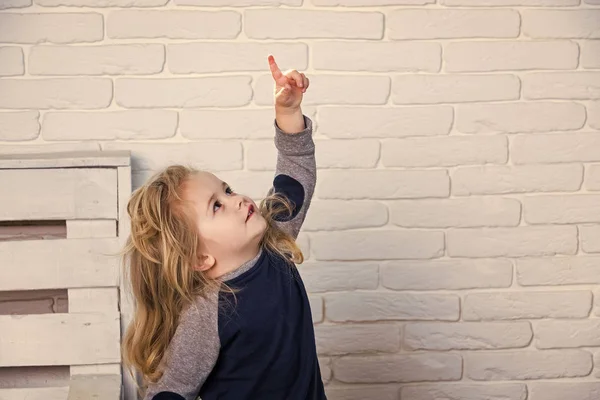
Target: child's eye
216 206
229 190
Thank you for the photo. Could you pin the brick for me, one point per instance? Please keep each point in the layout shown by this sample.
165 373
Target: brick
435 89
589 237
13 63
340 215
316 308
332 89
560 209
6 4
217 156
567 334
463 391
526 365
367 184
361 392
102 3
507 56
353 339
526 305
377 56
517 179
510 3
187 58
50 27
130 59
233 124
384 306
48 147
325 367
446 151
262 155
111 125
593 114
296 24
558 271
597 364
446 274
331 276
519 117
562 85
590 54
473 212
366 122
377 245
467 335
230 91
19 125
512 242
303 242
238 3
398 368
369 3
556 148
564 390
580 24
173 24
445 24
65 93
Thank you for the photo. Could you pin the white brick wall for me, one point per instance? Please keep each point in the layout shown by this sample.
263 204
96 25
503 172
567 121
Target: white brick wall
452 249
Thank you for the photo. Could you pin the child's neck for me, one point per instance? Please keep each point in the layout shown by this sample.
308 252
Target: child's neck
225 267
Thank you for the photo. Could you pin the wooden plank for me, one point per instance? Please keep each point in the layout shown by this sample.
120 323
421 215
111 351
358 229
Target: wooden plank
90 228
58 194
59 339
38 393
98 369
65 159
58 264
94 300
97 387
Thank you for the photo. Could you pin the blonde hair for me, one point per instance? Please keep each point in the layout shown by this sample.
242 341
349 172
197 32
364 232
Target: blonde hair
159 257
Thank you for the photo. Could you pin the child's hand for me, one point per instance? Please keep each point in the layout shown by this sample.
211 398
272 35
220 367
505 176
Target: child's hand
289 87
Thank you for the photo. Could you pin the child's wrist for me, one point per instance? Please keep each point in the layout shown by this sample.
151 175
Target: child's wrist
290 120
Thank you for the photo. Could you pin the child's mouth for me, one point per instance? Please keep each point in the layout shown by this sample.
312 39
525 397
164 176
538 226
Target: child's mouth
250 212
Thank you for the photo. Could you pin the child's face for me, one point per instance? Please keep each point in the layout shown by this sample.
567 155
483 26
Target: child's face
229 224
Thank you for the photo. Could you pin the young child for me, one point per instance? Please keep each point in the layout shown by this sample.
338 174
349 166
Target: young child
220 309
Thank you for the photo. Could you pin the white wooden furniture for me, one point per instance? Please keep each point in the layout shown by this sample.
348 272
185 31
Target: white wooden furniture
88 192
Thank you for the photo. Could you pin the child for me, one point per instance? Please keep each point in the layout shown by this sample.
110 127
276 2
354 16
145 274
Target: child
221 311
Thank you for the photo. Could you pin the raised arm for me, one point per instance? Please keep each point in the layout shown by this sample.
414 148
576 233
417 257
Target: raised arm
296 171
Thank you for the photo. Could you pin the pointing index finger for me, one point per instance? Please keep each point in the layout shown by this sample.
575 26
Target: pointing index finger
276 72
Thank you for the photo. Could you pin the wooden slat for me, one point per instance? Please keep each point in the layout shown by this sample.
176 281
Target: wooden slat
57 264
88 193
94 300
90 228
97 387
65 159
59 339
40 393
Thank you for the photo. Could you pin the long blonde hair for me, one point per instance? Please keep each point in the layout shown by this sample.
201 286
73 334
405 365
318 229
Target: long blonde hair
159 256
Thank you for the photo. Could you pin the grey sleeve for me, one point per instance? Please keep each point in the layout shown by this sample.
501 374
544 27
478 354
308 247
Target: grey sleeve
296 160
192 353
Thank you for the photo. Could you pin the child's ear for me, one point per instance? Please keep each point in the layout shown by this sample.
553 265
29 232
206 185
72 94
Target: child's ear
205 262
